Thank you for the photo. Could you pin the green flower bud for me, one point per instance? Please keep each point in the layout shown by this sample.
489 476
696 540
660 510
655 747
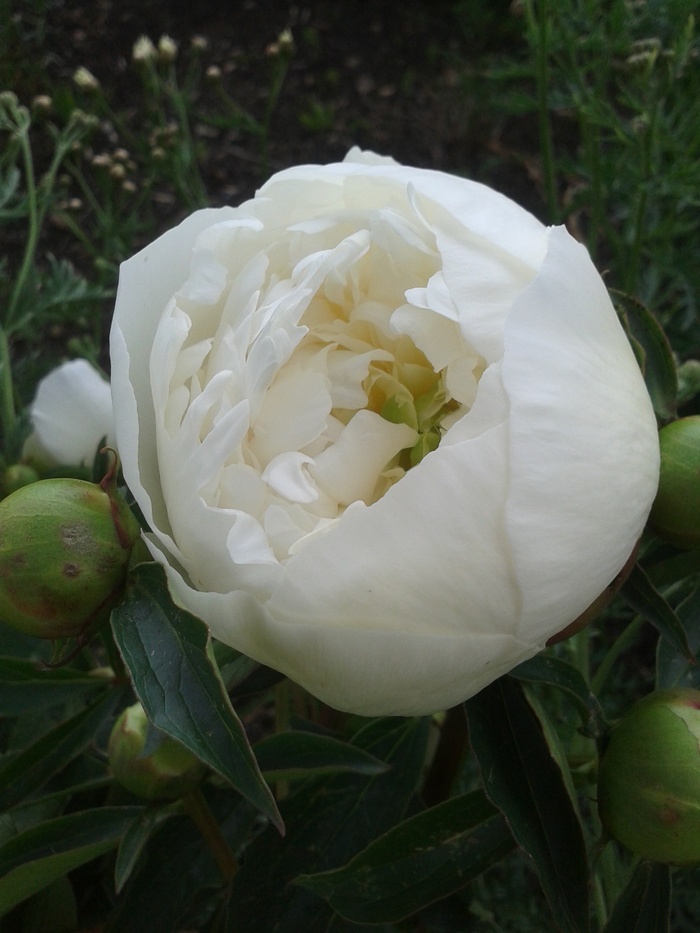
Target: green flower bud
64 550
165 772
16 476
649 778
675 515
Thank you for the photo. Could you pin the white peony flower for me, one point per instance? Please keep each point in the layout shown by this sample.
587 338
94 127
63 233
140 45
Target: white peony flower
71 414
385 426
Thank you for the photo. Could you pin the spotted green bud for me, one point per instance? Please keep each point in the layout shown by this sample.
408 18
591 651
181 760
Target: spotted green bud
675 515
649 778
147 762
64 549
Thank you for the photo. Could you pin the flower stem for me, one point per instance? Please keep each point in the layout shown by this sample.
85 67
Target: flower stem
620 645
447 758
7 398
282 725
32 223
198 809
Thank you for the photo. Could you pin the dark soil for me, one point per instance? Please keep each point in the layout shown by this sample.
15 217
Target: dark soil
404 78
396 76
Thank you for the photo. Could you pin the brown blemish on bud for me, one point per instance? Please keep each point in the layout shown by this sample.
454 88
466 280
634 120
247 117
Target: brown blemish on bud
71 570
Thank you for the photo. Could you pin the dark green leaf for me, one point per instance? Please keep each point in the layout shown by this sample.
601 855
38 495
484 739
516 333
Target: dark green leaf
673 669
426 858
46 807
27 771
546 669
657 362
35 858
52 910
133 843
24 687
234 666
678 566
176 884
295 754
523 779
329 820
645 904
169 655
645 599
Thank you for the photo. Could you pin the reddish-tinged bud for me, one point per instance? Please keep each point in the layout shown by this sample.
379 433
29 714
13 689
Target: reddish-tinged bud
649 778
64 549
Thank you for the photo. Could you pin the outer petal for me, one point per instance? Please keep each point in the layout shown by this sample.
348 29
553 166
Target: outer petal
147 281
370 672
72 413
583 440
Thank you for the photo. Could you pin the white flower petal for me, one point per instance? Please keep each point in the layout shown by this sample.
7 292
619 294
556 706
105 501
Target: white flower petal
583 439
286 476
349 469
72 413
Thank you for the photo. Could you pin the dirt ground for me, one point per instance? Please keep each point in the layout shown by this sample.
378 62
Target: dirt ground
389 75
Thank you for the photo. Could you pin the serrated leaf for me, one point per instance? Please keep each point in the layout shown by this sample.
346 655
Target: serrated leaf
290 755
522 778
645 904
658 364
169 655
35 858
645 599
547 669
422 860
31 768
25 688
329 820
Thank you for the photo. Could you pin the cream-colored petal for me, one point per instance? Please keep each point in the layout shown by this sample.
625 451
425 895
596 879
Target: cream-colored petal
583 438
72 413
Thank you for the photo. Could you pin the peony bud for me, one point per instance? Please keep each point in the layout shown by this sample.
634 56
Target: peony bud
675 514
16 476
166 772
649 779
64 549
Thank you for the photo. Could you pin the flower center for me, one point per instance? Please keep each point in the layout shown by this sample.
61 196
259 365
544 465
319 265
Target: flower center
323 382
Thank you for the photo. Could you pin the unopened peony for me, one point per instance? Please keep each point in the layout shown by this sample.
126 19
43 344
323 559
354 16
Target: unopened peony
385 426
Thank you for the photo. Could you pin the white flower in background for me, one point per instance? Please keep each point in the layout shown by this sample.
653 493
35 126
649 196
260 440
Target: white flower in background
167 49
385 426
85 79
144 50
71 414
